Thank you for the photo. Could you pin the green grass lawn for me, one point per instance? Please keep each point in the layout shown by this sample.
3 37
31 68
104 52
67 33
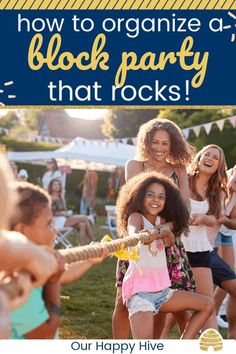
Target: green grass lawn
87 304
88 310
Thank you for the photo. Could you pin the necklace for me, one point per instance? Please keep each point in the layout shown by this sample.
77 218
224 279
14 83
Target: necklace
150 167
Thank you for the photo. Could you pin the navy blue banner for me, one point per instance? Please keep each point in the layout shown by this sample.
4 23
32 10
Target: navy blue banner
112 58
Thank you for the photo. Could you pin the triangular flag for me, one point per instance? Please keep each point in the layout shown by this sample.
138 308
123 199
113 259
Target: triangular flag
186 132
197 130
220 124
233 121
207 127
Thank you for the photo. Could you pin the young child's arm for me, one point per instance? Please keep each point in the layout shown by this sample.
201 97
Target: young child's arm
51 296
135 225
17 252
76 270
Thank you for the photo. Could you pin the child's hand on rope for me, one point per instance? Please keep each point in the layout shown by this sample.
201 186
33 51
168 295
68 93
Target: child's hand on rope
166 234
153 233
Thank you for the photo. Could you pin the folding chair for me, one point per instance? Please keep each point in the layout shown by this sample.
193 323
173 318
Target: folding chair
63 232
111 219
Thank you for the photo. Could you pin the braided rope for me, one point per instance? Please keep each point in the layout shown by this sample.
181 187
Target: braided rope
83 253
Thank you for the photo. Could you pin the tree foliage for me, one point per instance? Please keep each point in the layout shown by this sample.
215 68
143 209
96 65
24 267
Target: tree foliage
10 120
122 123
21 120
32 118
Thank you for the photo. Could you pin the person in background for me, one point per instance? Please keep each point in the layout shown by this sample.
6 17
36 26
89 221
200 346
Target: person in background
52 173
64 217
89 193
23 175
115 182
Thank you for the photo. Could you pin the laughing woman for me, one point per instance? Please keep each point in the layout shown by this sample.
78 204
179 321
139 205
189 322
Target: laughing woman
207 183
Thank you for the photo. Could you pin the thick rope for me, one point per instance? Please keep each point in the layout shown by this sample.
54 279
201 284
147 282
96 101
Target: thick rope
96 250
83 253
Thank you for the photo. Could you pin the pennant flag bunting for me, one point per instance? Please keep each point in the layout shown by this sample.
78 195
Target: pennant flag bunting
186 132
220 124
196 130
207 127
233 121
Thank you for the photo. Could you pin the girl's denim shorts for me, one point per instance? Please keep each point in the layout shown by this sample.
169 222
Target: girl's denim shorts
148 302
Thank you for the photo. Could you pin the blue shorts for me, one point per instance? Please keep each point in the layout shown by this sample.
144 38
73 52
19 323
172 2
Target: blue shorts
221 271
223 240
148 302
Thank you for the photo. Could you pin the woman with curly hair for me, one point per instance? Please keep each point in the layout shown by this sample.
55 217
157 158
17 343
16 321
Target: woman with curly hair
161 147
145 202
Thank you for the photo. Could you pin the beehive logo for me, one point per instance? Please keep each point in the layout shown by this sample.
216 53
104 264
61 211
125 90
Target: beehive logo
211 338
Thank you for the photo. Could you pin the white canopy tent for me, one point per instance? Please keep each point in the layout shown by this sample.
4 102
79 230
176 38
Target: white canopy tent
81 154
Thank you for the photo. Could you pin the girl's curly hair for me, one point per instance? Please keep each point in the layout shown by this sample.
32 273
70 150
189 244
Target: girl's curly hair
217 182
181 152
131 197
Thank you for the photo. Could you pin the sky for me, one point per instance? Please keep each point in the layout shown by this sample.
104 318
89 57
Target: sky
91 114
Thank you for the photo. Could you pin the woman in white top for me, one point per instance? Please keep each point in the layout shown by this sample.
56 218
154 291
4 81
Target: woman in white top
207 179
52 173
